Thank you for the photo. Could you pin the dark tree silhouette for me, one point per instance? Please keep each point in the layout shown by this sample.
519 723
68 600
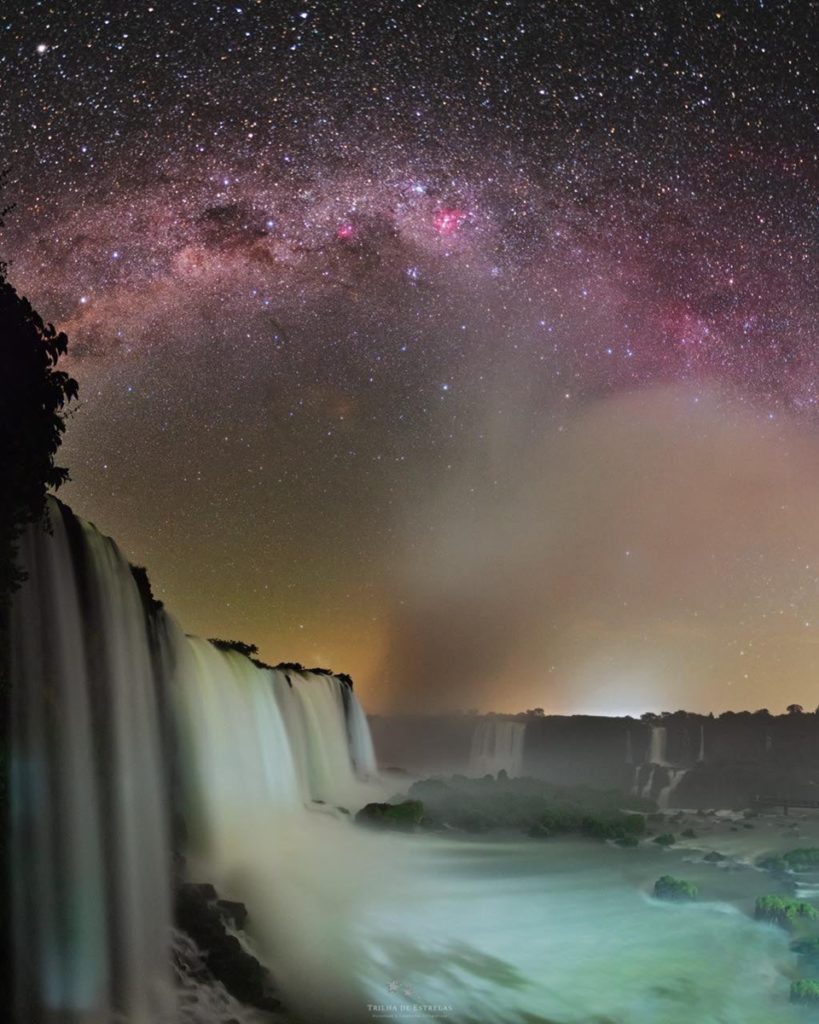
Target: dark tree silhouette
249 650
33 397
794 709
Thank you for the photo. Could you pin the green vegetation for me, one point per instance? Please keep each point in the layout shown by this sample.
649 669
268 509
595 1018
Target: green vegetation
538 808
786 913
399 817
802 859
664 839
688 833
676 889
805 992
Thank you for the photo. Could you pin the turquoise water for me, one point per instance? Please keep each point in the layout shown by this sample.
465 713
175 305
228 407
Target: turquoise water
566 932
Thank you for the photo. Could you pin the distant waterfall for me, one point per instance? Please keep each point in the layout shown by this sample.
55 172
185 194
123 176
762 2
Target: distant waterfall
675 778
645 773
701 754
497 745
657 746
105 697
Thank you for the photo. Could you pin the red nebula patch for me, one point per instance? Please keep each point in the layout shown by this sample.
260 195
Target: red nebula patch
448 219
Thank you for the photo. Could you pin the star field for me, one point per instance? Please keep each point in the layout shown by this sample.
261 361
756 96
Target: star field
331 271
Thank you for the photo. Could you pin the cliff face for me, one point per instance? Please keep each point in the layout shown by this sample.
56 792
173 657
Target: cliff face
680 760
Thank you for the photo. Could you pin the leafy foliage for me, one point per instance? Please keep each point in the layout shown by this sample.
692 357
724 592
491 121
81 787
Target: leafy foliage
802 859
784 912
805 991
399 817
33 399
667 887
239 646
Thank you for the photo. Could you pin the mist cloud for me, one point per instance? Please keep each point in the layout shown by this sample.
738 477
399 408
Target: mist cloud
661 550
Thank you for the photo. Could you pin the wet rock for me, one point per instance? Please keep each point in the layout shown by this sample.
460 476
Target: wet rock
207 920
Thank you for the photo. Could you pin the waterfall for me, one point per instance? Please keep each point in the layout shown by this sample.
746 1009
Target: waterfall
701 754
258 743
676 777
90 850
657 747
116 714
497 745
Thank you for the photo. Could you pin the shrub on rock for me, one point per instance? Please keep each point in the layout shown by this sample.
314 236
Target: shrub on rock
402 817
784 912
802 859
805 992
676 889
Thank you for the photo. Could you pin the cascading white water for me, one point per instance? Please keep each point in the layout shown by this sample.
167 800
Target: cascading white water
675 778
701 753
656 759
260 743
649 783
96 684
497 745
362 750
201 1001
90 850
657 746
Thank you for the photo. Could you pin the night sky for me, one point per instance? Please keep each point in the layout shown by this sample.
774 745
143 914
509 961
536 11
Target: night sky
470 348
